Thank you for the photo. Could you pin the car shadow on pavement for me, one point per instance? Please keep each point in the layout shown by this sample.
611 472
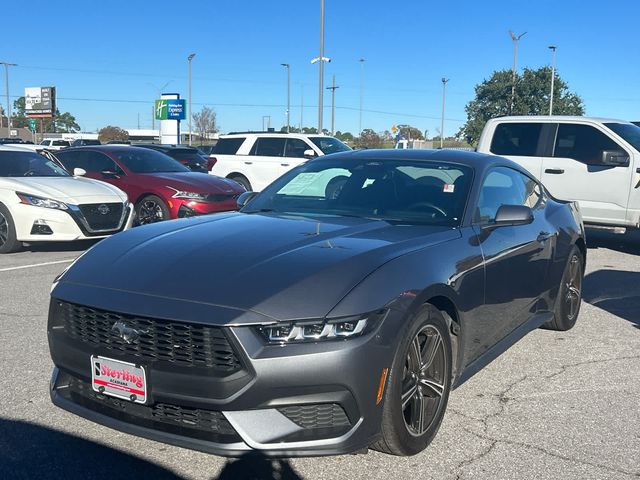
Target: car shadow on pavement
625 243
30 451
257 467
615 291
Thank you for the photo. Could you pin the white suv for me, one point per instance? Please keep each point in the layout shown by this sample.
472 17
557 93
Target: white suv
255 159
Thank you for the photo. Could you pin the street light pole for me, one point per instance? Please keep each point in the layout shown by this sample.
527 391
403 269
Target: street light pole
516 39
321 68
333 104
288 67
362 60
553 76
189 58
444 86
6 78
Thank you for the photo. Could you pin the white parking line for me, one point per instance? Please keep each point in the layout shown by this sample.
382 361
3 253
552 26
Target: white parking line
36 265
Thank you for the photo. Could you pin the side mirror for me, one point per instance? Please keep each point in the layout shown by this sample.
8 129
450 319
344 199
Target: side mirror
79 172
615 158
245 198
513 215
309 153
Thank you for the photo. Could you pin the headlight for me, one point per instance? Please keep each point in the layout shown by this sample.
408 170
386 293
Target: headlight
41 202
314 330
188 195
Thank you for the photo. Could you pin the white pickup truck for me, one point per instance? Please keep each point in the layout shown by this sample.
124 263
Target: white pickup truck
593 161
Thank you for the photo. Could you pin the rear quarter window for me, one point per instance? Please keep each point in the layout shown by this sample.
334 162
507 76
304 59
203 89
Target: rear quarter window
516 139
228 146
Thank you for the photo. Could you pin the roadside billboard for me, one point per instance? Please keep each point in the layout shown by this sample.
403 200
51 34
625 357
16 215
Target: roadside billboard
170 109
40 102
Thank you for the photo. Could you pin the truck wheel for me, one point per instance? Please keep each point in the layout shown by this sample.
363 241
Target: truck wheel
242 180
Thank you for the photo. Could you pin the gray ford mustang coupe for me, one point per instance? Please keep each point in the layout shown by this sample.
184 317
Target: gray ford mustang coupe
333 313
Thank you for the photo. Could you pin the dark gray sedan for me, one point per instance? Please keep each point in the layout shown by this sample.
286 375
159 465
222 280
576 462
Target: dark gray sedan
334 313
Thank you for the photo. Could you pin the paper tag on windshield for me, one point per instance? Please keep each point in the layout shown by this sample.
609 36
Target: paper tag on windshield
448 188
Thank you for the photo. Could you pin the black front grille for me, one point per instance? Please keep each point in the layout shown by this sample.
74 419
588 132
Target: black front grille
195 422
321 415
221 197
102 216
154 340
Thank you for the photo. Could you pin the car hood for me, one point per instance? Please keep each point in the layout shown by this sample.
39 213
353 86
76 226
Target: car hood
194 182
238 268
72 190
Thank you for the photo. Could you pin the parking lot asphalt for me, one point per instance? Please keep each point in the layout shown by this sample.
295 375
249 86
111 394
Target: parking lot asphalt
554 406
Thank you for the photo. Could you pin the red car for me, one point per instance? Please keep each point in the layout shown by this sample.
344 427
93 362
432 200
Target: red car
158 186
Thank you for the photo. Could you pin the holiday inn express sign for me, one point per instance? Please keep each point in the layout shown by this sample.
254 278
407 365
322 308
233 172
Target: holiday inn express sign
170 109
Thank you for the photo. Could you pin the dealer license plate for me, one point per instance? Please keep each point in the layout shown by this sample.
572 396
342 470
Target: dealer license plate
118 379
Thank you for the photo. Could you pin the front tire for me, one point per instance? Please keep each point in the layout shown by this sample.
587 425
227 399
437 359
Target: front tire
242 180
8 241
569 295
418 386
151 209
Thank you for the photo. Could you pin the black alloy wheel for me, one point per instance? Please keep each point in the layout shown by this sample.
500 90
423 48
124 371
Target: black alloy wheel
423 380
417 389
8 241
569 295
151 209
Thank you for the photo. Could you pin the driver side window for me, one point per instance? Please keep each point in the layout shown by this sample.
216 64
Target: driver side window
504 186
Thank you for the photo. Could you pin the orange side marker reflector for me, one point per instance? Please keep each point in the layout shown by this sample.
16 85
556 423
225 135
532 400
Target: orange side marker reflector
383 379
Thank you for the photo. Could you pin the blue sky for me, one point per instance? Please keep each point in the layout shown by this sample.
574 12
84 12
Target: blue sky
108 59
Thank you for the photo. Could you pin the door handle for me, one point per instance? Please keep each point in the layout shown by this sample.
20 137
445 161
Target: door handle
555 171
544 236
284 164
248 163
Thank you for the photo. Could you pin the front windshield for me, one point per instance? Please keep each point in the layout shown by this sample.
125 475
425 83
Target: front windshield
28 164
628 131
144 160
329 145
403 191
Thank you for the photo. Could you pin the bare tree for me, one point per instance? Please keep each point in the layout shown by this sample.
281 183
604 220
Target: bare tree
112 134
205 122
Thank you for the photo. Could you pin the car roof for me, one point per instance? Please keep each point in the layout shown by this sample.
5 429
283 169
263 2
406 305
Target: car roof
478 161
555 118
272 134
16 148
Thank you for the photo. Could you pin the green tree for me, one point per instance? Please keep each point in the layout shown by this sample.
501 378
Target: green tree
410 133
344 136
493 97
63 122
110 134
369 139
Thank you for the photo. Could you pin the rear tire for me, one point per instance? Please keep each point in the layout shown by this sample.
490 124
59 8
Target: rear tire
151 209
242 180
569 297
418 386
8 241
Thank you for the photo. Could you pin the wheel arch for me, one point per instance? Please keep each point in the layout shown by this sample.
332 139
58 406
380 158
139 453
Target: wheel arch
447 307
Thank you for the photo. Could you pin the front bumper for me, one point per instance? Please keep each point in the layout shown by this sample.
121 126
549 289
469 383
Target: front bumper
182 208
293 400
63 225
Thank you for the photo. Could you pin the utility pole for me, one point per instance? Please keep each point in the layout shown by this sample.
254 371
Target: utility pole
362 60
301 105
553 76
268 117
153 107
516 39
6 78
189 58
288 67
333 104
321 68
444 86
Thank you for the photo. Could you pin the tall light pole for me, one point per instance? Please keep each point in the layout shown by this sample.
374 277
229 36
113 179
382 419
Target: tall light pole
6 79
553 76
333 104
301 105
362 60
444 86
189 58
321 68
516 39
288 67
